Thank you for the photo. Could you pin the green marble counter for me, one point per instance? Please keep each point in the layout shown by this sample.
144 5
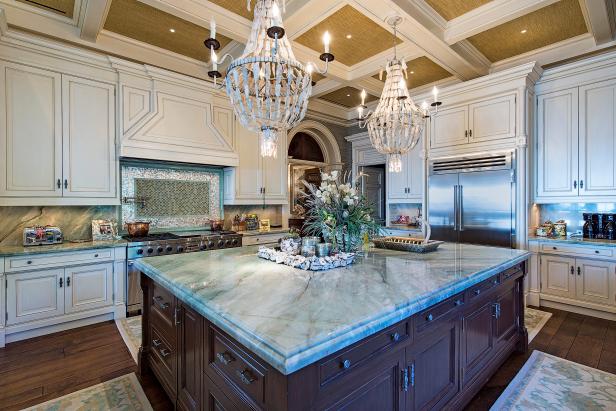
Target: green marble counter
292 318
10 251
574 241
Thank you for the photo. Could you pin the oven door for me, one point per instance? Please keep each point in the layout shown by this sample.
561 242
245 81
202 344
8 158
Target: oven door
134 295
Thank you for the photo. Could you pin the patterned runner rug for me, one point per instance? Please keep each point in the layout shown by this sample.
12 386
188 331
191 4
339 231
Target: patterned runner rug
534 321
130 330
547 382
122 393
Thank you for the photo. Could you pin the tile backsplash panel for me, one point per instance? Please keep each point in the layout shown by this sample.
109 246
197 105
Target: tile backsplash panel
170 196
75 222
570 212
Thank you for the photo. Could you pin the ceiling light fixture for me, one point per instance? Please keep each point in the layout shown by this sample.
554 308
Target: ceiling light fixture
269 89
396 124
348 36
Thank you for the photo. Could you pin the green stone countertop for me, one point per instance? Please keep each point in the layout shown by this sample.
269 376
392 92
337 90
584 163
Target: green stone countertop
67 246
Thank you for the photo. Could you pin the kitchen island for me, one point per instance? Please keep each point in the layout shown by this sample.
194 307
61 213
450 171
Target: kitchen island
393 331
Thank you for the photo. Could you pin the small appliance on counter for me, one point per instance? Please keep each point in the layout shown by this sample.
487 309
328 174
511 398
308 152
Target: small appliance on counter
42 235
599 226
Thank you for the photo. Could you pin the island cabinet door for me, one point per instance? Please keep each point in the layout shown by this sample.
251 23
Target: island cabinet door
477 340
190 365
506 313
214 399
433 368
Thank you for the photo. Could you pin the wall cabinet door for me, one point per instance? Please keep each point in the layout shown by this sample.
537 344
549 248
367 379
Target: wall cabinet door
434 368
477 340
415 172
248 173
89 138
34 296
492 119
190 365
595 281
30 132
88 287
558 276
450 127
397 183
597 143
557 144
275 173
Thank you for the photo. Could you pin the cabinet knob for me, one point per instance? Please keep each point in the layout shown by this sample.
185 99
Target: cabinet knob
164 352
95 255
554 248
346 364
596 251
246 377
478 291
458 303
225 358
579 270
395 337
429 317
29 262
156 343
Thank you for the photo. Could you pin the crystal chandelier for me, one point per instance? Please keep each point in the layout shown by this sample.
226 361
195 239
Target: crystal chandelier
396 124
269 89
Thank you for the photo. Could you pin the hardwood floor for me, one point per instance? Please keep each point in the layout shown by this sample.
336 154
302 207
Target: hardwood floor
43 368
579 338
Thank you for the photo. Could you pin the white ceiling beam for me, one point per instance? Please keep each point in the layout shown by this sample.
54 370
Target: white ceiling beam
598 19
325 86
94 16
309 15
491 14
406 51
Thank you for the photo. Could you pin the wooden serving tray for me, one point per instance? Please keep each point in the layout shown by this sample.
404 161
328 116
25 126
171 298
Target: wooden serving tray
409 244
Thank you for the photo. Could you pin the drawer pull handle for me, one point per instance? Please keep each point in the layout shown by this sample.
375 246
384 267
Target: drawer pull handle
157 343
458 303
554 248
164 352
246 377
596 251
29 262
495 281
225 358
478 291
429 317
158 301
346 364
395 337
95 255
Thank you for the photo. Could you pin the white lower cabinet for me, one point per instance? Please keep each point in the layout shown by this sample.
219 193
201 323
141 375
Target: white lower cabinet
558 276
88 287
34 296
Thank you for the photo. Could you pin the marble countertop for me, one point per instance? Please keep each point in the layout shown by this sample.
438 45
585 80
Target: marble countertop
67 246
292 318
575 241
403 228
257 232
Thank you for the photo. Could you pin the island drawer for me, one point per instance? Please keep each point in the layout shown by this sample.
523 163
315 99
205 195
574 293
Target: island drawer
441 311
479 290
342 363
238 367
163 311
163 360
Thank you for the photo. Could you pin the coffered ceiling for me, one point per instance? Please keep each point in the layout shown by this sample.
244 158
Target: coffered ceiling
559 21
443 41
348 97
355 37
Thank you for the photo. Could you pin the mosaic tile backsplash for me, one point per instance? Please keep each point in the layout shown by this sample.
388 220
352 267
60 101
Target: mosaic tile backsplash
570 212
171 197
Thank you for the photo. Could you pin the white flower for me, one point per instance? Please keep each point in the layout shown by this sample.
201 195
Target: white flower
334 174
345 214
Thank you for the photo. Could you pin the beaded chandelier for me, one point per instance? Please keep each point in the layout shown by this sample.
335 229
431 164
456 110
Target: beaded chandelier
269 89
396 124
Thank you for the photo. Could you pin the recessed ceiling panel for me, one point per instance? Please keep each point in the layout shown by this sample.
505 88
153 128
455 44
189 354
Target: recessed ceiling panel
355 37
237 7
450 9
134 19
548 25
63 7
347 97
421 71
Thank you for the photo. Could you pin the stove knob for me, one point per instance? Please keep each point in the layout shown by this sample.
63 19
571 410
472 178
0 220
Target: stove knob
169 248
210 244
140 251
235 241
150 250
180 249
221 243
228 243
160 249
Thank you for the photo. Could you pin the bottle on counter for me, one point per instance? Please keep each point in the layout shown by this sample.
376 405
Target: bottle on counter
609 232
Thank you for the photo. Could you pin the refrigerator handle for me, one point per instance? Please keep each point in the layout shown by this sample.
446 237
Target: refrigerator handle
455 208
460 208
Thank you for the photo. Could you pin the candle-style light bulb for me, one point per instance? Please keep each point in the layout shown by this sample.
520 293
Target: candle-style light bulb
214 59
326 40
212 28
424 105
435 94
363 97
275 10
360 111
309 68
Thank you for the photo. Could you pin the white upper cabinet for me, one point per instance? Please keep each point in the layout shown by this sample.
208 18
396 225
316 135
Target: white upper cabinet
275 174
557 144
89 138
397 183
597 159
450 127
407 186
30 132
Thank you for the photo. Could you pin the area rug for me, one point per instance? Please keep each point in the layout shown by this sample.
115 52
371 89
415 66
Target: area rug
534 321
547 382
122 393
130 330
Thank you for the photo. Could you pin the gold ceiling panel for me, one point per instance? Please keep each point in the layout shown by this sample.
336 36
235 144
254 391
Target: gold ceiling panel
137 20
450 9
317 77
347 97
422 71
237 7
367 37
63 7
548 25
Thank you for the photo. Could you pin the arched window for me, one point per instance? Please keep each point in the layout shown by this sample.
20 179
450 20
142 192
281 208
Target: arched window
305 147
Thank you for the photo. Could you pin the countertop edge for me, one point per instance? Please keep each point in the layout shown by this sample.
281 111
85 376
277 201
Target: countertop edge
586 242
319 350
66 247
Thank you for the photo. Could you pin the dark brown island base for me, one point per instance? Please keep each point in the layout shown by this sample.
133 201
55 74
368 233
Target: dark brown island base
438 358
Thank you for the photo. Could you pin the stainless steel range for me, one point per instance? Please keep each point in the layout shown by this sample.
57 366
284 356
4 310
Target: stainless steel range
168 244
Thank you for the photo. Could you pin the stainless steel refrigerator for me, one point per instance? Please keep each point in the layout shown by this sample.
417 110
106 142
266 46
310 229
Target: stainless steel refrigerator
471 199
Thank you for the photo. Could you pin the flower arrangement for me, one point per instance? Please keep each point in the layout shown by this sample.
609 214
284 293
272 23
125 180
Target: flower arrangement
339 213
